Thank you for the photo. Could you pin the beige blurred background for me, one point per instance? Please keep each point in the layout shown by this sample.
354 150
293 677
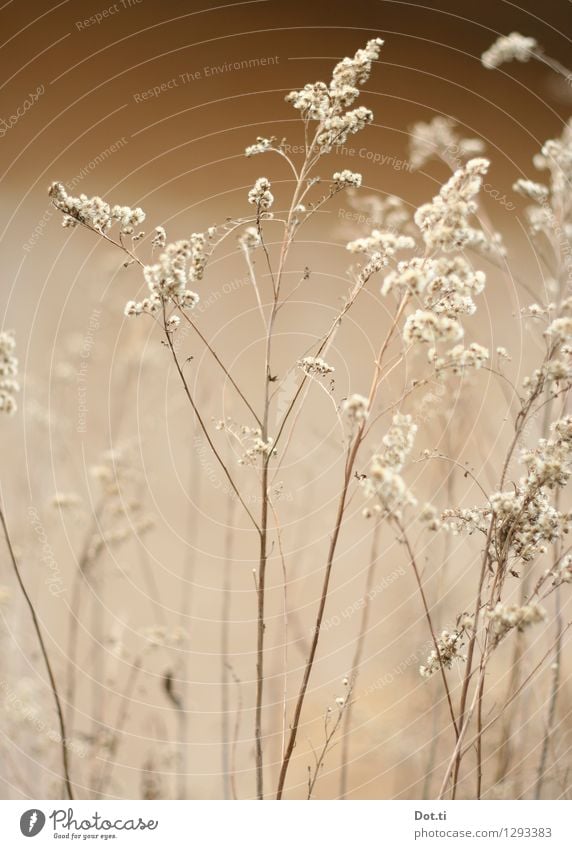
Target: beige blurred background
145 108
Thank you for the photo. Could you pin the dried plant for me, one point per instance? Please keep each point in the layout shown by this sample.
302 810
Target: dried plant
427 268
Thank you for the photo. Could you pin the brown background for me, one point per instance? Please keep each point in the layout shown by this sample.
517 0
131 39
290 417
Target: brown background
181 158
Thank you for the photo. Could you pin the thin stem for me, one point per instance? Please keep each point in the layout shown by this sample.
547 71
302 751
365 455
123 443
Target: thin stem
352 449
203 427
329 736
554 691
261 627
352 452
358 652
220 363
225 644
53 686
428 618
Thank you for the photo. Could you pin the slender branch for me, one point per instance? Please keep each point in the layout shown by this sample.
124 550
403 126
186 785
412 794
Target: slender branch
358 652
352 452
220 363
204 429
428 618
38 630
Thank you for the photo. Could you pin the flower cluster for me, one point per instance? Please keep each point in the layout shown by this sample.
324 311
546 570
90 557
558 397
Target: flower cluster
261 146
412 275
525 522
94 212
438 138
347 179
256 447
504 617
260 195
563 571
425 326
159 239
452 286
449 283
250 239
429 516
449 645
556 157
250 440
444 221
508 48
555 373
180 264
122 515
328 104
315 366
355 408
550 212
384 486
459 358
536 192
386 244
549 463
8 373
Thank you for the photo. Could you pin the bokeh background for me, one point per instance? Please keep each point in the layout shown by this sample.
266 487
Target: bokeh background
146 108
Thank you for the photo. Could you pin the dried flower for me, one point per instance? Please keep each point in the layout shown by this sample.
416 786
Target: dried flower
346 179
425 326
8 373
509 47
94 212
326 104
449 647
261 146
385 244
531 190
315 366
355 408
444 221
439 138
250 239
505 617
159 239
383 486
260 195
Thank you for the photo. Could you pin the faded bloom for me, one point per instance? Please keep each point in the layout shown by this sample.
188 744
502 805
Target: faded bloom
412 275
429 516
8 373
509 47
327 103
505 617
250 239
459 358
94 212
531 190
425 326
315 366
383 487
439 138
449 647
260 195
180 264
380 242
355 408
444 221
261 146
159 239
345 179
